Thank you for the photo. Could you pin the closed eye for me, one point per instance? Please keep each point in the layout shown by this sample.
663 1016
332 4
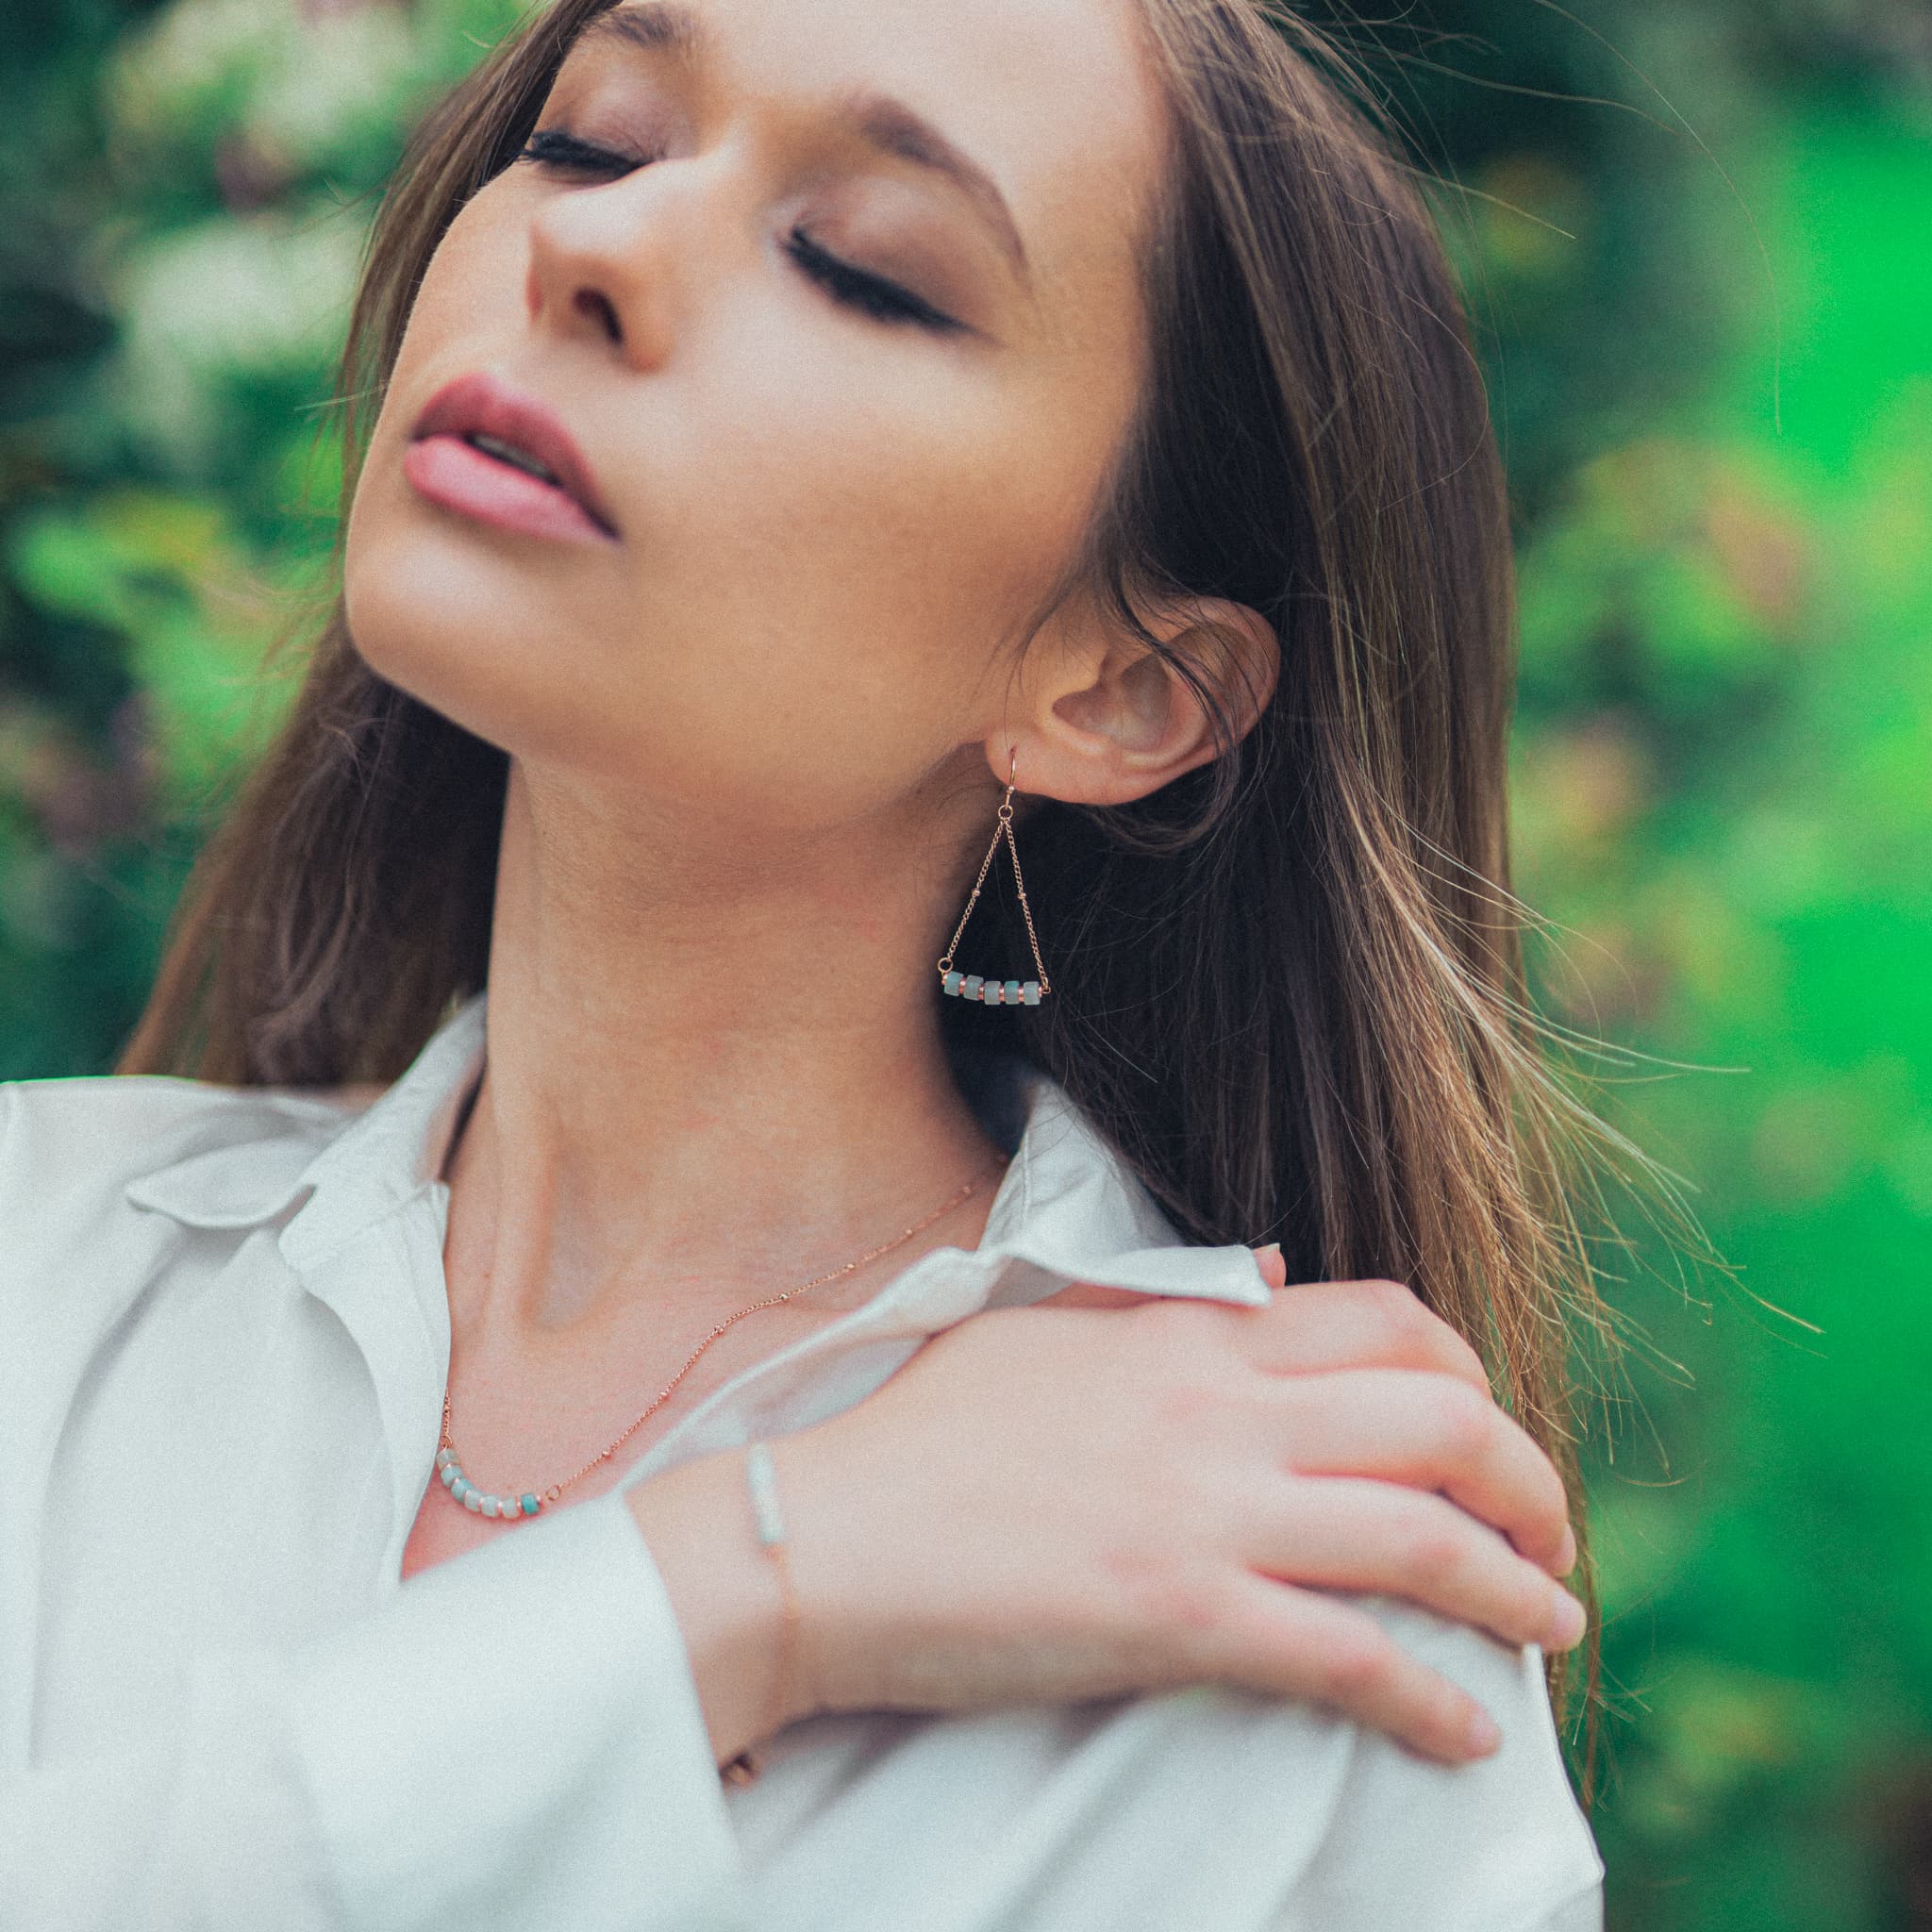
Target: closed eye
884 300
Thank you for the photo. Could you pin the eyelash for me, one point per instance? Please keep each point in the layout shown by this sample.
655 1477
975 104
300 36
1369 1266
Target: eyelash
552 147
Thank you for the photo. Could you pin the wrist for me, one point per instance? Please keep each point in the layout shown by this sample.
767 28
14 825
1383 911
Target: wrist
698 1522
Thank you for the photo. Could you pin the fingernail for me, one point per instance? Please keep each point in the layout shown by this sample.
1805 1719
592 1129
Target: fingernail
1269 1248
1569 1620
1566 1554
1483 1735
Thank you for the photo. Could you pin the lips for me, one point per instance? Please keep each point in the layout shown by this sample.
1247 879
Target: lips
482 404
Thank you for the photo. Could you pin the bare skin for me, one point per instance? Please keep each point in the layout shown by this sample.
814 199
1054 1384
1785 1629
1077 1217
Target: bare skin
757 739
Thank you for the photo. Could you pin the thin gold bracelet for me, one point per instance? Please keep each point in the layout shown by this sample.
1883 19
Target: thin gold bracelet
761 1480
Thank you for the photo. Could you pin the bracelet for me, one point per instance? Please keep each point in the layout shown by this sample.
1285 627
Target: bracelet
761 1480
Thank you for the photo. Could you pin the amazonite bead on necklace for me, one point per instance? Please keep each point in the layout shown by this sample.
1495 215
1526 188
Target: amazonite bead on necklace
477 1501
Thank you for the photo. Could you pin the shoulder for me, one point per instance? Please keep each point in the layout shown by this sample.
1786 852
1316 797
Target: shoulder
1281 1816
122 1200
1340 1828
133 1122
1498 1844
73 1150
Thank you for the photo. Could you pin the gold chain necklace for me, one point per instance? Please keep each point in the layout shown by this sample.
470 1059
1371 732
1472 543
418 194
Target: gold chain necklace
515 1508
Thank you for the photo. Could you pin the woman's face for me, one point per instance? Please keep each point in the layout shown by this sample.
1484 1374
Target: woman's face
833 504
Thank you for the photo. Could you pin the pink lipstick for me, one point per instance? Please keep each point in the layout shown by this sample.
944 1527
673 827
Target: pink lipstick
488 451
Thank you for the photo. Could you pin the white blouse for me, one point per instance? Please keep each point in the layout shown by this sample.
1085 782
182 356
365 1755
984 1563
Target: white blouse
224 1339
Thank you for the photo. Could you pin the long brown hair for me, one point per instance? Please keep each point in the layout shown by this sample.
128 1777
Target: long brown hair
1289 985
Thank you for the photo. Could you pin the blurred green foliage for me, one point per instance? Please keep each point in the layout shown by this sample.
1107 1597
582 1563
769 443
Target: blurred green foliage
1698 242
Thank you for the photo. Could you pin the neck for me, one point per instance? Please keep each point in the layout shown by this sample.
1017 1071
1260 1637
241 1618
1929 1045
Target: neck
708 1080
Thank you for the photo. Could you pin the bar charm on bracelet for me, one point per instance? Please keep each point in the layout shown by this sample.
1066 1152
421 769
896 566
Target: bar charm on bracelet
761 1479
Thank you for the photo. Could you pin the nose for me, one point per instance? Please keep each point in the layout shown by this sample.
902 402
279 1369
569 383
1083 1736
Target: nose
617 260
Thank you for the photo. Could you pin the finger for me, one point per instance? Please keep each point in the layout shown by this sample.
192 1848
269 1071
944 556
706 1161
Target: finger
1430 1431
1359 1534
1340 1325
1299 1644
1565 1559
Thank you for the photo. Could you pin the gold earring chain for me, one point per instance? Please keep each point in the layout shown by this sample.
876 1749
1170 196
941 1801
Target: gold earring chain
973 986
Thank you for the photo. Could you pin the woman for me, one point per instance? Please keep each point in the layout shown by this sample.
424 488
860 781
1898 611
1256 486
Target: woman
810 441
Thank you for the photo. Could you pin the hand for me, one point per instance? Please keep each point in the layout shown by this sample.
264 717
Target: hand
1068 1501
1361 1325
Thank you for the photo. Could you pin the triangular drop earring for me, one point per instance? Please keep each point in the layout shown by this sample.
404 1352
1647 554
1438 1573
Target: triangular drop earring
972 986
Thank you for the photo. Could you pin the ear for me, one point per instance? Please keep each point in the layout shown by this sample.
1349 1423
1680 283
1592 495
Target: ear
1097 717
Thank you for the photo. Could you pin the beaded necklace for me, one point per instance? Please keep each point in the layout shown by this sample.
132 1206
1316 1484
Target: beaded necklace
510 1508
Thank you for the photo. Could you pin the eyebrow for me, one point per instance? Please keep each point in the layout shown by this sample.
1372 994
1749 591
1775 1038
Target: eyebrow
883 122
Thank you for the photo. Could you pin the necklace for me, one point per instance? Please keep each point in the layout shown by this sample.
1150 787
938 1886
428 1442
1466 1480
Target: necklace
515 1508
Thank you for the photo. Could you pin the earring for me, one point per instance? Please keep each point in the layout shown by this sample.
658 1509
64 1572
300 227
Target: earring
971 986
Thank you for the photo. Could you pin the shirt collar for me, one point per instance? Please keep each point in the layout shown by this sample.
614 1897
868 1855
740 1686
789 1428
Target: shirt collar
367 1162
1067 1209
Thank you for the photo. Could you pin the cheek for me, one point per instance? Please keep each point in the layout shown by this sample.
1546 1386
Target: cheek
448 331
472 294
830 551
886 501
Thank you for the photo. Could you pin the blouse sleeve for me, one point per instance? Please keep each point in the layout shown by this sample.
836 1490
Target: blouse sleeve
512 1744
